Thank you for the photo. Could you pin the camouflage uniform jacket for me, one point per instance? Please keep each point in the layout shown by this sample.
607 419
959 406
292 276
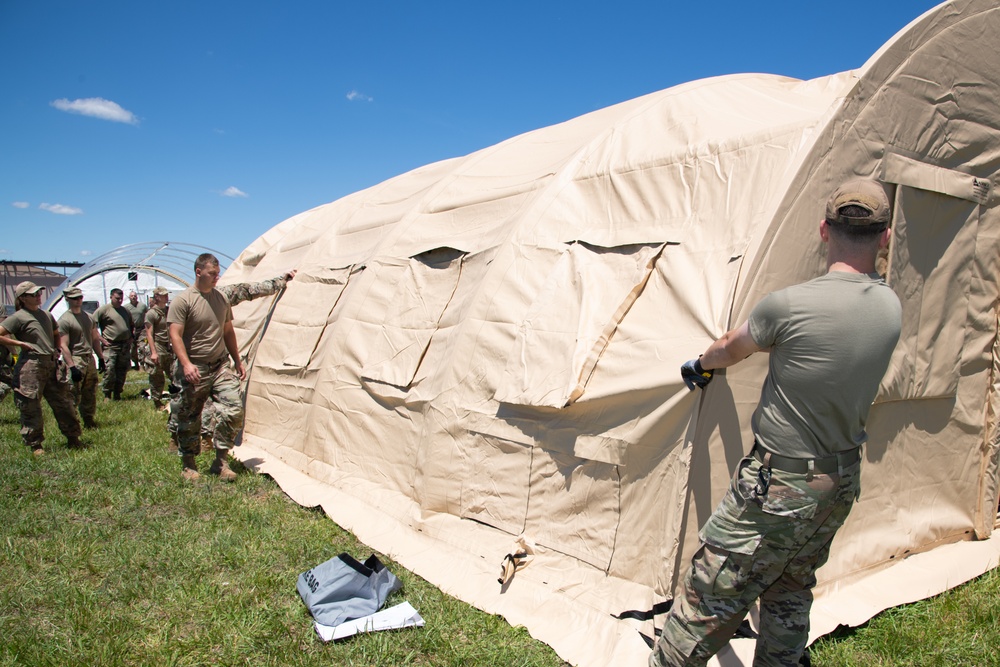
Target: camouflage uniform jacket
240 292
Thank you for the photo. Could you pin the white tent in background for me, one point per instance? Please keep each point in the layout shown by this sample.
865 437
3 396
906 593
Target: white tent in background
489 345
137 267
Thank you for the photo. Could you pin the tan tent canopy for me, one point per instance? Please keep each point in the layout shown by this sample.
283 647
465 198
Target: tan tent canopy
489 346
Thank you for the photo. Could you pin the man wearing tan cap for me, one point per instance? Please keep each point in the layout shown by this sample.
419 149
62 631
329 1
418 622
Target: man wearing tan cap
829 342
80 333
37 373
161 354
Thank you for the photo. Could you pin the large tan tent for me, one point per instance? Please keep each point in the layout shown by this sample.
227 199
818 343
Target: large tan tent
488 347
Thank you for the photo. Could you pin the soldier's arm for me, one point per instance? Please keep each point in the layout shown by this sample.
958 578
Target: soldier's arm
229 336
734 346
191 373
11 342
153 356
62 344
97 342
100 324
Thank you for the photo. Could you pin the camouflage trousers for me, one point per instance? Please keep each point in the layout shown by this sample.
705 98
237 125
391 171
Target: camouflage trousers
209 419
159 372
116 360
136 347
37 377
6 381
764 546
85 391
220 385
142 353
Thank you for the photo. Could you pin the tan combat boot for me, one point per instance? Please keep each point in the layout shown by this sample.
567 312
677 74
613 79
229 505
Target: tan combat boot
220 466
189 468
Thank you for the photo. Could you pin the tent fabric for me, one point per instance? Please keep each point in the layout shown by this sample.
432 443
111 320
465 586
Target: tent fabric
489 346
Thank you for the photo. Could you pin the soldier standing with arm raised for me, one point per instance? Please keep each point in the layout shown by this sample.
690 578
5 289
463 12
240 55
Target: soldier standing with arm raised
236 294
201 332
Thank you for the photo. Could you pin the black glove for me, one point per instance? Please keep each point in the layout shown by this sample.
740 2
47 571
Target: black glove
694 375
101 366
76 374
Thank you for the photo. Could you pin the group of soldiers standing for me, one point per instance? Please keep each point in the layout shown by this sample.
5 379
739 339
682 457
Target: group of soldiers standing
55 359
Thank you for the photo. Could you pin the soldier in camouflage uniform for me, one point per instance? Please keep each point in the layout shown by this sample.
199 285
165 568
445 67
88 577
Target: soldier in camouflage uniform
201 333
116 327
830 341
138 312
37 373
161 353
236 294
6 370
81 336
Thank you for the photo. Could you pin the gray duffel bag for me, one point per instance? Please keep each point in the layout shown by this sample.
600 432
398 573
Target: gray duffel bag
342 589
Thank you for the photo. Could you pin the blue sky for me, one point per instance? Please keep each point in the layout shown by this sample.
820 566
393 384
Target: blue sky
210 122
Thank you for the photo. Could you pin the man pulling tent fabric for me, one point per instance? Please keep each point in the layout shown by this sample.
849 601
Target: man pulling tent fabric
830 340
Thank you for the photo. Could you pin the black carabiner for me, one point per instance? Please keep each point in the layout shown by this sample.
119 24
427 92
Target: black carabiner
763 482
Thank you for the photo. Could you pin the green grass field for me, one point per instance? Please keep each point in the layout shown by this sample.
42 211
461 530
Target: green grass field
108 558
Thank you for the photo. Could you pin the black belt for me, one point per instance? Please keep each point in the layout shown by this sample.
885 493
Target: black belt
827 464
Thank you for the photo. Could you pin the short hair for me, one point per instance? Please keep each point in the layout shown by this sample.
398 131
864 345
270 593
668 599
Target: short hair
114 290
204 259
857 233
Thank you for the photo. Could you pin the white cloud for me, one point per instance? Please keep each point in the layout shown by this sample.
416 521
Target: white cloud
355 96
97 107
20 204
233 191
85 253
60 209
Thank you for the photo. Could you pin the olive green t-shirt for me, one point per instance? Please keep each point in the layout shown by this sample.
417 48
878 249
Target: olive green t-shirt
138 313
33 326
830 341
204 317
115 323
156 318
79 332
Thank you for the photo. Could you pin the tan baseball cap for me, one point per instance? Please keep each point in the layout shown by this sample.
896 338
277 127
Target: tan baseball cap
27 287
72 292
160 290
868 194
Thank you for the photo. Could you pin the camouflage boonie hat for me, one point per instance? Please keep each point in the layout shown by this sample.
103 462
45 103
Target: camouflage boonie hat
868 194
